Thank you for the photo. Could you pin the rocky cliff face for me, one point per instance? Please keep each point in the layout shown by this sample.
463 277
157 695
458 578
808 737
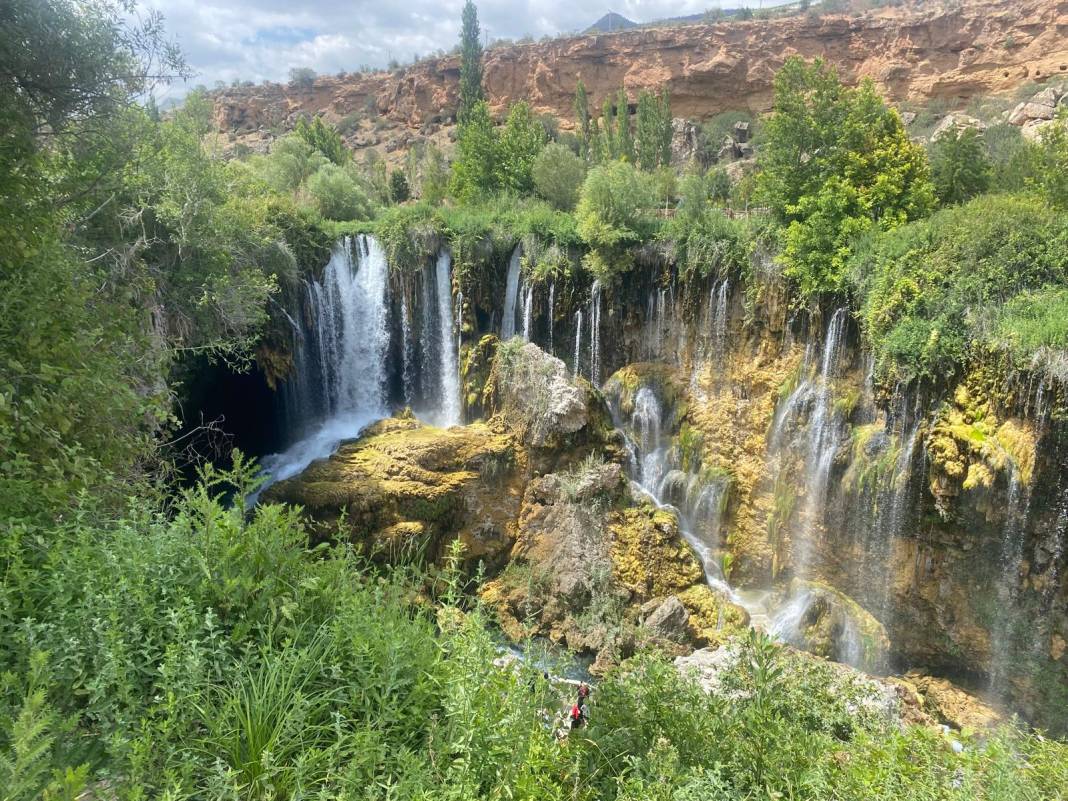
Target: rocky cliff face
914 52
771 482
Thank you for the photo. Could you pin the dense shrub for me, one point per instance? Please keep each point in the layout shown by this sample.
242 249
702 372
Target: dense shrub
960 169
934 289
558 175
615 210
337 195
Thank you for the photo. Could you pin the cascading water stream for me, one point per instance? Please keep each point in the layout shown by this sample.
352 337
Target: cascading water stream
511 292
449 402
656 472
346 348
552 298
824 433
1003 637
528 305
407 355
578 341
595 333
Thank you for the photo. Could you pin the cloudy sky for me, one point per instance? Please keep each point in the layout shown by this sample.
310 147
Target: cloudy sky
258 40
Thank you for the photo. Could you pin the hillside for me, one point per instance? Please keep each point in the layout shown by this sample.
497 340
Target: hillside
915 53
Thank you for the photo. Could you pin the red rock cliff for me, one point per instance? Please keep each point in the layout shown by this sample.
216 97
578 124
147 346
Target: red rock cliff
914 52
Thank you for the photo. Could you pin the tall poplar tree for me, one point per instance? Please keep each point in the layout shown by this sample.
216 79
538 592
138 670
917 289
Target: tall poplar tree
582 116
470 62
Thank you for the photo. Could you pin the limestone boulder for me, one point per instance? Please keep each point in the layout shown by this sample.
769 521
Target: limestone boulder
822 620
536 391
717 670
668 620
958 122
1042 106
949 704
404 488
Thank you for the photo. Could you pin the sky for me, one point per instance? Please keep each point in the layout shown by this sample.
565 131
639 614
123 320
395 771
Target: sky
262 40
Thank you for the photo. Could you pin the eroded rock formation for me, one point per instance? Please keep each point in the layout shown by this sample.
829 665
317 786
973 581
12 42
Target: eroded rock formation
914 52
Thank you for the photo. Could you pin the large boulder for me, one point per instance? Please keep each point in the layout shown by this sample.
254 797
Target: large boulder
1042 106
587 561
668 620
404 487
822 620
951 705
957 122
536 391
889 699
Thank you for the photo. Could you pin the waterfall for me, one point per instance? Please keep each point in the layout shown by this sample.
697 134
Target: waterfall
595 333
824 434
718 313
1049 551
407 354
1004 633
528 303
657 473
892 502
511 290
552 294
345 350
578 341
459 323
449 401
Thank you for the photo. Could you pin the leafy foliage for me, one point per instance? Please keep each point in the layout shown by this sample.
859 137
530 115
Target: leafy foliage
558 175
614 210
960 169
471 93
520 142
654 130
476 168
836 162
934 290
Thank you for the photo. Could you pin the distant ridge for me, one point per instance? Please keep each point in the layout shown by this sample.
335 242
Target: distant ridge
611 22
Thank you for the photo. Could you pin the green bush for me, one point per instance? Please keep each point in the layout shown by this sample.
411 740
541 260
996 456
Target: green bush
933 290
558 175
615 210
960 169
337 195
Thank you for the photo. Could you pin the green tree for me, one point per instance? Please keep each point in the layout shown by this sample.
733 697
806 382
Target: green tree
303 77
398 186
471 92
558 175
475 169
520 142
960 169
290 163
337 195
1051 161
433 175
582 119
835 163
653 145
615 210
624 137
324 138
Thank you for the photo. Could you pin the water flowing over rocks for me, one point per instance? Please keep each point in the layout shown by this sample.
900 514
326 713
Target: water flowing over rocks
737 467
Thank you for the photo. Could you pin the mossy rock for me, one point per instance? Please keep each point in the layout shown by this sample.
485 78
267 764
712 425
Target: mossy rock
649 556
835 626
713 617
970 446
404 486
